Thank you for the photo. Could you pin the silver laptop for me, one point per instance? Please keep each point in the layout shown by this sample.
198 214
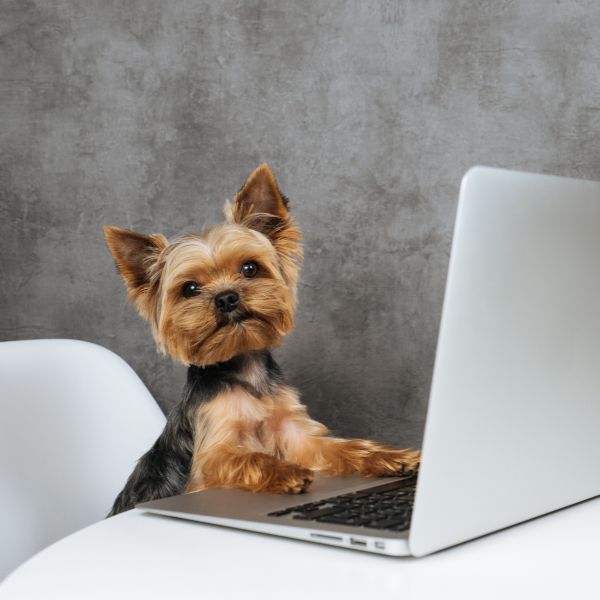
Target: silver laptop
513 426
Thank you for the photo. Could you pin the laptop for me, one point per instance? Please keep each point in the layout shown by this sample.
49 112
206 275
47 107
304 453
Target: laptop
513 424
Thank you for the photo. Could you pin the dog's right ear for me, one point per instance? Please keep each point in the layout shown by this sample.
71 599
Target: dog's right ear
136 256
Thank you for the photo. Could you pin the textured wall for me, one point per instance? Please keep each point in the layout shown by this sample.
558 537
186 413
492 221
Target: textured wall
148 114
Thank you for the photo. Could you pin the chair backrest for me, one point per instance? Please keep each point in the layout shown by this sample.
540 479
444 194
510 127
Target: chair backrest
74 419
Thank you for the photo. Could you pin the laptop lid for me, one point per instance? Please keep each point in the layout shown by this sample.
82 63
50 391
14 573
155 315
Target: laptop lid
513 425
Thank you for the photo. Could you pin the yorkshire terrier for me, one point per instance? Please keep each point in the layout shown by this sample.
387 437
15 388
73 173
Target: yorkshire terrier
218 301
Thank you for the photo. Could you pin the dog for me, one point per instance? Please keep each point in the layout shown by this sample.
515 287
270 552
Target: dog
219 301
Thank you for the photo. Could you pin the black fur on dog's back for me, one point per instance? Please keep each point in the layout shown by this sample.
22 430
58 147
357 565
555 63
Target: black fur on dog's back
164 470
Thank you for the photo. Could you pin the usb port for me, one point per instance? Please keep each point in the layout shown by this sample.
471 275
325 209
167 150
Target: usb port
355 542
380 545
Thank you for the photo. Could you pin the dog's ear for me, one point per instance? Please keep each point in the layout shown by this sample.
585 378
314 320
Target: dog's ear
136 256
259 204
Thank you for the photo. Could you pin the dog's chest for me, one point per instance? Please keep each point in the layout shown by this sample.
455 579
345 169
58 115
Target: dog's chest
236 417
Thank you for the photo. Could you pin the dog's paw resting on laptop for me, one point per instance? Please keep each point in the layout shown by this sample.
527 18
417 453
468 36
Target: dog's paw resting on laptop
218 301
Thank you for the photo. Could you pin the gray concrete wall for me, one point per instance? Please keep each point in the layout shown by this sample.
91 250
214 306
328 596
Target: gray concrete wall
148 114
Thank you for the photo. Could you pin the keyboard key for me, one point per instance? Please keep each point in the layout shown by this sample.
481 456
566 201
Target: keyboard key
337 520
387 523
280 513
315 514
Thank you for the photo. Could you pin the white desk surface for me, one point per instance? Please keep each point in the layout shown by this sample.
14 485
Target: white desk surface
138 555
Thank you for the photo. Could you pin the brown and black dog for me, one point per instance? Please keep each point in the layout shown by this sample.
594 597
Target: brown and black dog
218 301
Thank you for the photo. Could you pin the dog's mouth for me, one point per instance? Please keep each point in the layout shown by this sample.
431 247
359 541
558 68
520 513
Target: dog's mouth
243 317
240 319
232 319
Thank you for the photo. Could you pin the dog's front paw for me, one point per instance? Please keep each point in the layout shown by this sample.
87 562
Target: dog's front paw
391 462
288 479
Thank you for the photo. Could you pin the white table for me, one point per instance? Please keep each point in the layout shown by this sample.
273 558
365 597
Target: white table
137 555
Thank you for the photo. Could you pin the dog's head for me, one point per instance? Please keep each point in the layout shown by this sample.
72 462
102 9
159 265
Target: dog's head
226 290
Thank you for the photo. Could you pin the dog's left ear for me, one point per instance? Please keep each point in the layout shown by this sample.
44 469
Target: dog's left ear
259 204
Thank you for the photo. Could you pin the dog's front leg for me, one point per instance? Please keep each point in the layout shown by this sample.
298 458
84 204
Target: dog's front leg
231 467
340 456
231 452
308 443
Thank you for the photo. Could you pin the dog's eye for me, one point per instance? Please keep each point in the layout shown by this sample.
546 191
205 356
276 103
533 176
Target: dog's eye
249 269
190 289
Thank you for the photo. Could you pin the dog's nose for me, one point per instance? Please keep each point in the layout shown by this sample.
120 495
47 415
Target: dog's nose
227 301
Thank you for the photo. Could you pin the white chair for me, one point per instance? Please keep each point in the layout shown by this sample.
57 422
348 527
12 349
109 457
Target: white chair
74 419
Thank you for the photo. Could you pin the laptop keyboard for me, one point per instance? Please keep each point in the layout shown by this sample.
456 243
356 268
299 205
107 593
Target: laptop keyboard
387 506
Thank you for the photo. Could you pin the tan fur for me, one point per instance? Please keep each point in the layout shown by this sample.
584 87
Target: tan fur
244 437
243 441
